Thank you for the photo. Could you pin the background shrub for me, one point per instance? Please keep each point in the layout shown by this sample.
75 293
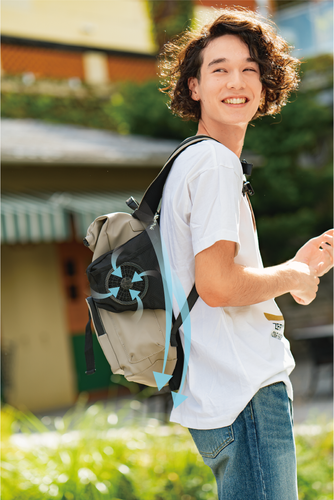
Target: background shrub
87 454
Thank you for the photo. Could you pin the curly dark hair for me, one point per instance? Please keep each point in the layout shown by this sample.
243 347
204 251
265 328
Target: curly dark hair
181 59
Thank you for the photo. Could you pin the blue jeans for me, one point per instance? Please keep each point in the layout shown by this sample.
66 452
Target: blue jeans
255 457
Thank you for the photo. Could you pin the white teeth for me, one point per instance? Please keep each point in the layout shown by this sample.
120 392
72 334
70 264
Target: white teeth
235 100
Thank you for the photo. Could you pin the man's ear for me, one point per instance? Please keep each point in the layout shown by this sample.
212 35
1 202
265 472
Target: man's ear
193 88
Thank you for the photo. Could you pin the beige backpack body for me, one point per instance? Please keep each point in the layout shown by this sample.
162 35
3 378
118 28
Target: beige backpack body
131 296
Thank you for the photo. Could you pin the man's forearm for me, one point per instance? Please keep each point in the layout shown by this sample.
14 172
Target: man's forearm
242 286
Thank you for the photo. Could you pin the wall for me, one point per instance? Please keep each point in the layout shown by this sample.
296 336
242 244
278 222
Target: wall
121 25
43 62
38 364
74 258
67 62
68 178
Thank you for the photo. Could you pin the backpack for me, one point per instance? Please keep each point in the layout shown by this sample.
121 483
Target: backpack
131 291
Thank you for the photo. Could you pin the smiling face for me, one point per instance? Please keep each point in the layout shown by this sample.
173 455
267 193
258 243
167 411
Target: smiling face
229 88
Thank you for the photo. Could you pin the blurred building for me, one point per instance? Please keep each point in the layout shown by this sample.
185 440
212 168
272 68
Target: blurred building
204 10
91 41
55 181
308 26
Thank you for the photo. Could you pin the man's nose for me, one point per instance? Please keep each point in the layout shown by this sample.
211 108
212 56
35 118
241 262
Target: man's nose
236 80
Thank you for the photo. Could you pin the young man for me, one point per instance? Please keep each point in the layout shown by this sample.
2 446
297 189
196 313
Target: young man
238 406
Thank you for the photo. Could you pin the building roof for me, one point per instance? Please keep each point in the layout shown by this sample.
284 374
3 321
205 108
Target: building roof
37 142
45 217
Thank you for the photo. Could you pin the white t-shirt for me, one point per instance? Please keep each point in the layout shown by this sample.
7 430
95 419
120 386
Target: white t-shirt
234 350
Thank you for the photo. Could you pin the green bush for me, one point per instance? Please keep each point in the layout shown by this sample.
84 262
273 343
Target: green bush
293 200
141 109
89 112
169 18
88 455
315 463
132 108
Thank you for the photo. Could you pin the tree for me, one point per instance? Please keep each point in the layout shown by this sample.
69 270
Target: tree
169 18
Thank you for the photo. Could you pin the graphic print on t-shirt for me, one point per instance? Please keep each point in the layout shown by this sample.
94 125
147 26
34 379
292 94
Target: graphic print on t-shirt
278 323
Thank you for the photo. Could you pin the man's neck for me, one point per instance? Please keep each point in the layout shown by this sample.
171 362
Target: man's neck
231 136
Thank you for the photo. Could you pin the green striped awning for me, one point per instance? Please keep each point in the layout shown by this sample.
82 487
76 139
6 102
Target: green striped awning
32 219
85 207
46 217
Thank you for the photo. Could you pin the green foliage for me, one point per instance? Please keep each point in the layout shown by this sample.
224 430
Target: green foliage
293 200
142 109
90 112
283 4
169 18
322 64
131 109
294 187
86 454
315 468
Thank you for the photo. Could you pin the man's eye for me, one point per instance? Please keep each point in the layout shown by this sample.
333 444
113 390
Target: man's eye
219 70
250 69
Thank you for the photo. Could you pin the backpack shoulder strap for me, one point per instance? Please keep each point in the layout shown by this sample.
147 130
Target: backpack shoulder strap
151 199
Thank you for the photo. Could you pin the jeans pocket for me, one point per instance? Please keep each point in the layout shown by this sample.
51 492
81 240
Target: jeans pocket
212 441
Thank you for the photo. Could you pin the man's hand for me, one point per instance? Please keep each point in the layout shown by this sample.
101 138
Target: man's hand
307 284
317 253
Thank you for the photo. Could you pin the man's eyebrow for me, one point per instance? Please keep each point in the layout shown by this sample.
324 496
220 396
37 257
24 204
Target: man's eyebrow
224 60
217 61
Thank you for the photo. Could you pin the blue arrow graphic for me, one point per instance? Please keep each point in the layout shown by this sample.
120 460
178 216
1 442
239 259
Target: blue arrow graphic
163 378
114 291
136 277
140 308
181 298
134 294
161 253
117 272
153 273
114 257
98 295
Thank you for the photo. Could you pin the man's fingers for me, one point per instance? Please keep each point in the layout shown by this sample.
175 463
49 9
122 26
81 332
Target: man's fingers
327 252
328 240
329 233
324 245
298 300
326 237
327 260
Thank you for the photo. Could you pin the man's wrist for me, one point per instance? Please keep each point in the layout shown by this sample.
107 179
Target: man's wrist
293 271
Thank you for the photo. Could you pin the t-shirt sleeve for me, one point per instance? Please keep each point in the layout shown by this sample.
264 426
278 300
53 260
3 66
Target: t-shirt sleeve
215 207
